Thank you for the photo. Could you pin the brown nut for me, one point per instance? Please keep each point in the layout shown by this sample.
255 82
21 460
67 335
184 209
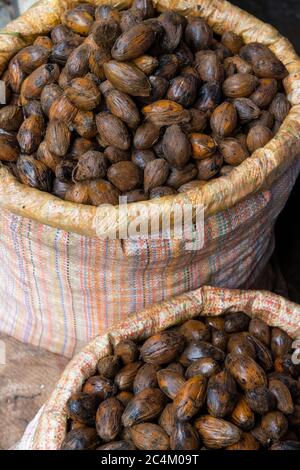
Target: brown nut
280 107
125 377
80 439
274 424
134 42
102 192
78 193
30 134
165 113
127 78
34 84
240 85
203 146
190 398
209 96
145 406
209 167
83 94
113 130
242 415
141 158
91 165
265 92
149 436
11 118
146 63
224 120
234 153
161 191
198 35
221 394
122 106
162 347
155 173
124 175
58 137
245 371
146 135
170 382
183 90
127 350
247 110
217 433
78 21
34 173
232 41
32 57
82 407
109 419
145 378
258 137
115 155
108 366
184 437
176 147
179 177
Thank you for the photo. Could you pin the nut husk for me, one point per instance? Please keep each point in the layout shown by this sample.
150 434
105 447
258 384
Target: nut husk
258 137
125 377
128 78
209 167
134 42
34 84
122 106
124 175
198 35
113 130
91 165
217 433
280 107
240 85
145 378
58 137
105 32
146 135
170 382
224 120
162 347
85 124
127 350
83 94
166 113
11 118
245 371
209 96
183 90
145 406
190 398
108 419
30 134
156 173
176 147
34 173
149 436
203 146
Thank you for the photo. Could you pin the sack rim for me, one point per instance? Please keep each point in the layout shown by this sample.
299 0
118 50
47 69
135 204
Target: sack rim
256 173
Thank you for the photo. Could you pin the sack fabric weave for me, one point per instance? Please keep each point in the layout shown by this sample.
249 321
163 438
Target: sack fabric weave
61 285
48 429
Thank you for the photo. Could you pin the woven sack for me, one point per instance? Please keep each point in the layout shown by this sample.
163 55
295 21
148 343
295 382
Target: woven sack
60 284
48 429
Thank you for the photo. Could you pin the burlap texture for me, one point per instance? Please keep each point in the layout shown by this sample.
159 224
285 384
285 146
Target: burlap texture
49 428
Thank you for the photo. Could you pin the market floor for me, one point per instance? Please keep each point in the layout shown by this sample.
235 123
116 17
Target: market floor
26 380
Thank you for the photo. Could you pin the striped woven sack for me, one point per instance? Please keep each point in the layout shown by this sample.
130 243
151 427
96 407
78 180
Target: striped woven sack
48 429
61 283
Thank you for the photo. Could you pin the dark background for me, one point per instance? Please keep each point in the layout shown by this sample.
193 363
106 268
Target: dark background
285 16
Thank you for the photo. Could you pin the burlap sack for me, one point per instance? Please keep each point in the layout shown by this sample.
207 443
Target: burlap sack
48 429
62 285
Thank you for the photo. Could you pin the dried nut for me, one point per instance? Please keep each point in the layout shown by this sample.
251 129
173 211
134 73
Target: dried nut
234 153
162 347
105 32
235 65
91 165
113 130
33 86
258 137
62 110
263 354
184 55
146 63
167 419
159 87
240 343
127 350
124 175
122 106
242 415
170 382
209 96
85 125
78 21
30 134
195 330
191 185
206 366
78 193
198 35
145 136
130 18
165 113
82 407
184 437
183 90
198 349
103 192
108 419
106 12
240 85
32 57
145 378
246 371
11 118
134 42
58 137
60 189
125 377
148 436
167 66
224 120
235 322
265 63
215 322
16 76
203 146
282 395
156 173
137 195
125 397
142 157
176 146
209 67
265 92
265 119
127 78
274 424
179 177
109 366
83 94
145 7
260 400
61 33
62 50
190 398
209 167
100 386
145 406
197 123
247 442
83 438
161 191
217 433
221 394
232 41
115 155
48 158
34 173
247 110
260 330
77 64
280 342
280 107
96 59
